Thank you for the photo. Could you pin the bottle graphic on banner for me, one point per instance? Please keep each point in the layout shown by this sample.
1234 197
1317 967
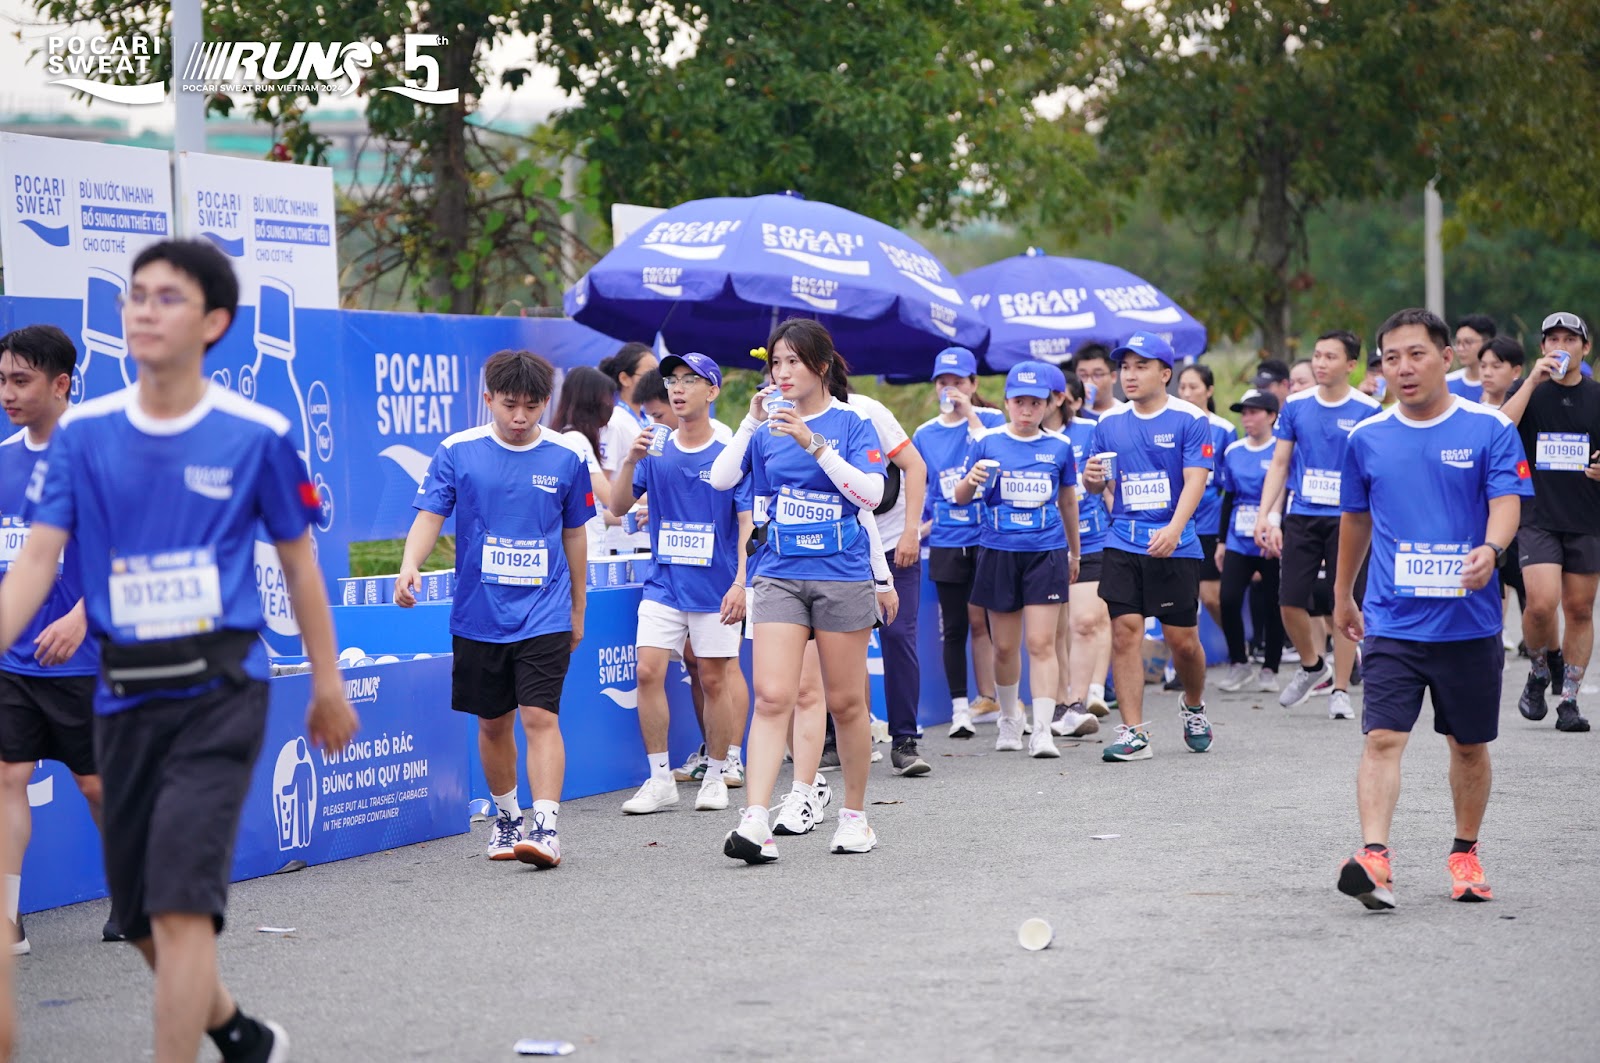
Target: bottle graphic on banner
105 366
270 379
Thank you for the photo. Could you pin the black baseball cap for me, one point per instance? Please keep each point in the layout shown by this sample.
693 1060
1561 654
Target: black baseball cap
1570 322
1256 400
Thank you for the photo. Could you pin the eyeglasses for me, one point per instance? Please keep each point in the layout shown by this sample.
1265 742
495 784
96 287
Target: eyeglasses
164 299
681 383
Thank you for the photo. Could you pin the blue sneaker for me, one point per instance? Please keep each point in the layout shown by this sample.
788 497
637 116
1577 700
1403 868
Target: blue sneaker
1196 728
1131 744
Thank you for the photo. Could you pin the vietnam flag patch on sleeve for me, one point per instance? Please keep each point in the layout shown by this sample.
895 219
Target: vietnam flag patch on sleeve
1207 450
875 456
309 497
1523 472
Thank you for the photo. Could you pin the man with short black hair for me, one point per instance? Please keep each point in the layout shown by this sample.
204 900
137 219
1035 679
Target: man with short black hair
1557 411
1098 375
1272 376
1472 332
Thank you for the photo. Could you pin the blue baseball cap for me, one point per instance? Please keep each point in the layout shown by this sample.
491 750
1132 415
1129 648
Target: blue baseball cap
957 361
1145 345
1028 379
698 364
1056 378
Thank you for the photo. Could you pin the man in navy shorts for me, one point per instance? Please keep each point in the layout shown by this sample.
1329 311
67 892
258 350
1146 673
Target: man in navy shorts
1434 484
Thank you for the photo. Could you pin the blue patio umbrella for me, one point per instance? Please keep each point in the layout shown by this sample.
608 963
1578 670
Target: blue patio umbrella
1039 306
715 275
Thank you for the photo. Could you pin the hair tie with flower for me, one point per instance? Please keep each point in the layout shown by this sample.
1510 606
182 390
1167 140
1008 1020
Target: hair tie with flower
758 353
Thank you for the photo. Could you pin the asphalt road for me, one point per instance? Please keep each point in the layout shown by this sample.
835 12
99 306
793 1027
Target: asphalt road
1210 929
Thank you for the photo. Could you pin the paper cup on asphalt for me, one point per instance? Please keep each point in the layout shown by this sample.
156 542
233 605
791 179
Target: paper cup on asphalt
1035 934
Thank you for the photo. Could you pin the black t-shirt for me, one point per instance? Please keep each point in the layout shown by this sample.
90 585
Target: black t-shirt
1561 428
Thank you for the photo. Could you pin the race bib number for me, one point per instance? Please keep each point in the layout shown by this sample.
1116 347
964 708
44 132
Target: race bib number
1429 570
167 595
1561 451
1244 521
948 478
1320 487
807 507
682 543
1146 491
759 506
13 534
1026 490
515 562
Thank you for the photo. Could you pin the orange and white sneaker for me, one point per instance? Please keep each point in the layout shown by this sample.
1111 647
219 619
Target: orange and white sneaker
1365 876
1466 877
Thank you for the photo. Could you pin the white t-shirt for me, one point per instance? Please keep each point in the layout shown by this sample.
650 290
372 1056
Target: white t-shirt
893 438
615 440
595 527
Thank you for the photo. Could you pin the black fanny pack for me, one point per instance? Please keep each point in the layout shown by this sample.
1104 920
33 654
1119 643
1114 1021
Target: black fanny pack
134 668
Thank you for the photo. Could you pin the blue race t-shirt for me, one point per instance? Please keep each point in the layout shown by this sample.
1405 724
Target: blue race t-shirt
1209 511
1458 384
801 494
1092 519
1152 452
946 448
165 513
694 528
1318 431
1021 496
17 459
512 505
1428 486
1243 472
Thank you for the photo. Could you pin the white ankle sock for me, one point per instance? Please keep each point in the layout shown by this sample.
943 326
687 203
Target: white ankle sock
959 707
660 766
1044 709
714 770
1007 696
509 804
549 810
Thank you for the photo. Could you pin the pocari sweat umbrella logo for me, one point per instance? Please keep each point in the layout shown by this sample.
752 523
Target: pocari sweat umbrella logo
820 249
923 270
695 241
1056 308
1139 302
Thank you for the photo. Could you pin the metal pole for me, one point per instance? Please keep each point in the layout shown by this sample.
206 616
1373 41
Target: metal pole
1433 248
189 123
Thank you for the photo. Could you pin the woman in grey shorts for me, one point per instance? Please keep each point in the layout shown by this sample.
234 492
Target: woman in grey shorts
820 462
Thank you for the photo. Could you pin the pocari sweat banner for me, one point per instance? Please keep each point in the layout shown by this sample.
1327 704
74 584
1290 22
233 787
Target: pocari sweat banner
277 224
73 217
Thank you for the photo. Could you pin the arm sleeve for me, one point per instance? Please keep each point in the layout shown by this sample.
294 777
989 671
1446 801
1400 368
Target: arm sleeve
734 461
285 499
438 491
1353 479
856 466
1508 472
1226 516
880 564
49 498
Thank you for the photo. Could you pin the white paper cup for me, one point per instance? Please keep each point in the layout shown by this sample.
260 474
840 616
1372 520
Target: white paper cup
1109 458
1035 934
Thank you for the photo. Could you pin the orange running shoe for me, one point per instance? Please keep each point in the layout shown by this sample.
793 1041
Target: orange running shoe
1466 875
1365 876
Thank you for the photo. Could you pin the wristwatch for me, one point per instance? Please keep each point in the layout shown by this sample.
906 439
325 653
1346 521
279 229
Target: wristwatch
1499 551
817 443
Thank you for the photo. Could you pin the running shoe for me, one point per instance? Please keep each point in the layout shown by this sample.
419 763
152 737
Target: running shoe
274 1047
822 791
1466 877
1009 738
1196 728
1568 718
1267 681
1355 669
653 796
751 841
1041 745
1131 744
540 847
853 835
1365 876
1237 678
1304 684
985 710
733 769
1532 704
109 932
830 759
1073 721
797 815
905 760
713 796
504 834
19 938
1096 701
961 725
1339 706
694 769
1291 655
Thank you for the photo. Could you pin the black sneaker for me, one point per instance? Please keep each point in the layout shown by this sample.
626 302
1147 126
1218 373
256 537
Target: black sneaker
903 758
264 1042
1172 684
109 932
1532 704
1568 718
1355 671
830 759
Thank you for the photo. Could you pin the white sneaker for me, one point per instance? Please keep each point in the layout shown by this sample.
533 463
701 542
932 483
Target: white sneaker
853 835
1238 675
1042 745
961 725
1027 723
985 710
796 816
1009 740
823 792
1075 724
751 841
1096 701
504 834
694 769
713 796
733 769
1267 681
1339 706
1304 684
653 796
